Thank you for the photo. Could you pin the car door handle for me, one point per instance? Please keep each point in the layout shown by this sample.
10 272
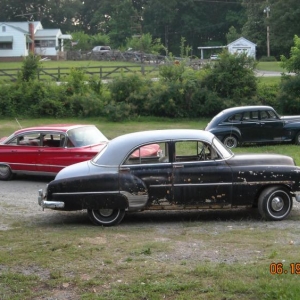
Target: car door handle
178 166
124 170
262 123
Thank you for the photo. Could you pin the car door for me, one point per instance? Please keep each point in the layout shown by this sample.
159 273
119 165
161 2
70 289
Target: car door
250 127
21 152
200 177
55 154
152 169
271 126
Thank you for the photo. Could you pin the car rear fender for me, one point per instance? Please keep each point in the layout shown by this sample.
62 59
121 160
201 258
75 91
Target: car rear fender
222 132
134 189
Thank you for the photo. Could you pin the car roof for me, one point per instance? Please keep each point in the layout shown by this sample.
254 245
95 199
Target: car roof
121 146
51 127
247 108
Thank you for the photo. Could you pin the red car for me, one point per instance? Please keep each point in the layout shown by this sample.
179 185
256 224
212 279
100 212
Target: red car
45 150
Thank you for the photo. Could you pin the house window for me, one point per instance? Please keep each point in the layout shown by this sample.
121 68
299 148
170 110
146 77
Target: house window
3 28
6 46
44 43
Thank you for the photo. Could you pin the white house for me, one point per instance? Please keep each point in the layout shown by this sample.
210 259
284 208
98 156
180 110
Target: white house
18 39
242 45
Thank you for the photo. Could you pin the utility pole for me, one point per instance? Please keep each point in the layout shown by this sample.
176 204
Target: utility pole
267 11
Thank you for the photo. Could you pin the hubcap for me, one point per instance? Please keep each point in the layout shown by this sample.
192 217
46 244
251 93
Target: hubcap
106 212
4 170
277 204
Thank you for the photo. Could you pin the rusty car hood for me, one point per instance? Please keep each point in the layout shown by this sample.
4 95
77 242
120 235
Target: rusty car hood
261 159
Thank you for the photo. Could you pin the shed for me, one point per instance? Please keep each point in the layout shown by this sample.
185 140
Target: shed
242 45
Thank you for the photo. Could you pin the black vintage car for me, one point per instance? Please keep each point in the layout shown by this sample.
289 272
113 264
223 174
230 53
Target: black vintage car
254 124
191 170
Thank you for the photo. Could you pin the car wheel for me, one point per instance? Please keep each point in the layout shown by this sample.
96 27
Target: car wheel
105 216
5 172
275 203
297 138
230 141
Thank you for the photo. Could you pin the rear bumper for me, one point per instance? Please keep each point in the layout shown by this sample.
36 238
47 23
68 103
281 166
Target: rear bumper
48 204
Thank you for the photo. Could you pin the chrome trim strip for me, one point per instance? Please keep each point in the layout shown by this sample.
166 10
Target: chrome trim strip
88 193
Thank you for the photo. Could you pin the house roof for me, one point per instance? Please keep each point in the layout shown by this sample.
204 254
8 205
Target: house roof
241 39
23 26
47 33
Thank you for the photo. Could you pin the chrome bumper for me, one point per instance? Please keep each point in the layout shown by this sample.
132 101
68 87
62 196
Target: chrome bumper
297 196
48 204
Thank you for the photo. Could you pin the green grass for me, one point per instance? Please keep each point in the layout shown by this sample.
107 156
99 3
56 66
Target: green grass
270 66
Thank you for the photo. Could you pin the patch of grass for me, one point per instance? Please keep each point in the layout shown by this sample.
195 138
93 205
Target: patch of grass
270 66
212 260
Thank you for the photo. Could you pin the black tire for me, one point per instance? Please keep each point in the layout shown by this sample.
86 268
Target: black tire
230 141
106 217
5 172
297 138
275 203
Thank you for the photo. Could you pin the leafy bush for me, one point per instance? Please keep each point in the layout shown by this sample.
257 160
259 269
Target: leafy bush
289 94
30 67
232 77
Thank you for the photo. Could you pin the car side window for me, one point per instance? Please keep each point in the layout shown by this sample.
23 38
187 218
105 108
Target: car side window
264 115
194 151
29 139
272 115
149 154
250 116
52 140
235 118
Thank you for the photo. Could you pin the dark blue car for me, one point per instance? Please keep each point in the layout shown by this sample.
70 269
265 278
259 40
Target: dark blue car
254 124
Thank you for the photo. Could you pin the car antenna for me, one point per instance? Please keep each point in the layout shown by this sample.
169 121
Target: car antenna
18 123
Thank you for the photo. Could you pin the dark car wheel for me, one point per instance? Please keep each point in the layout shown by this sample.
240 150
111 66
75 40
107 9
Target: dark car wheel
275 203
230 141
5 172
106 217
297 138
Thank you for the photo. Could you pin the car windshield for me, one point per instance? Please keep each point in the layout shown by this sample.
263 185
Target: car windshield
86 136
225 152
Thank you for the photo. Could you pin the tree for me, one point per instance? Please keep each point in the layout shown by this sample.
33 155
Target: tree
145 43
292 64
232 77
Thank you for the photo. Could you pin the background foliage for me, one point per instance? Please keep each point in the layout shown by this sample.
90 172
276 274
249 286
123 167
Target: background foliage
200 22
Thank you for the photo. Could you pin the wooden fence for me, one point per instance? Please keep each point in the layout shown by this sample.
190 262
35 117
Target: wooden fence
58 74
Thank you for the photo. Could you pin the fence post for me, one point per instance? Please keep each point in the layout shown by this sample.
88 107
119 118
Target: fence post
143 69
58 75
100 73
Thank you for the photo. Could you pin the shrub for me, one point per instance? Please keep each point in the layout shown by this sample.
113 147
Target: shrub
289 94
232 77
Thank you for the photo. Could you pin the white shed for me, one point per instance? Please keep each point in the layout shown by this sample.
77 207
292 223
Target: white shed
242 45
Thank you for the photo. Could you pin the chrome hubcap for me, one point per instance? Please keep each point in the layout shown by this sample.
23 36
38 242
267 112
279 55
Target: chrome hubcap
4 170
106 212
277 204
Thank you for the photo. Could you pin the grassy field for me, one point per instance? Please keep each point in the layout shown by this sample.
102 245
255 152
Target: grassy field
197 255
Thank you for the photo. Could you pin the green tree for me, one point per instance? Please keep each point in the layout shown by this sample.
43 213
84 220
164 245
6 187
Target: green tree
30 67
232 35
232 78
292 64
145 43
